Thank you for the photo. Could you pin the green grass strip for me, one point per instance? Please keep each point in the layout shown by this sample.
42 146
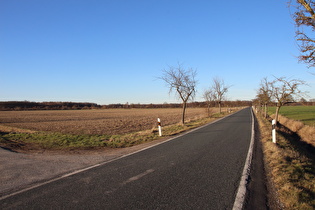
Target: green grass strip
305 114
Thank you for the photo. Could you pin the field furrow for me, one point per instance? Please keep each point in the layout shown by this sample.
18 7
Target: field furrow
96 122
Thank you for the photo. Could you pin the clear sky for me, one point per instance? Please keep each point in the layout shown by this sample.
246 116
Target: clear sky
112 51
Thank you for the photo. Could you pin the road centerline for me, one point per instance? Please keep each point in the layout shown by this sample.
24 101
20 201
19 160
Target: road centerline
137 177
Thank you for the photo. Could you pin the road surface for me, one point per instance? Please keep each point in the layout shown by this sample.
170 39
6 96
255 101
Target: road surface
198 170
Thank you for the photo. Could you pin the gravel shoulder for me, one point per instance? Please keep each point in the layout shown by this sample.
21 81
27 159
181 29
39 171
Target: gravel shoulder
21 170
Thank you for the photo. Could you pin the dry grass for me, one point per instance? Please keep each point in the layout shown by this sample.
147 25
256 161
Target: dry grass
290 171
7 129
306 132
96 122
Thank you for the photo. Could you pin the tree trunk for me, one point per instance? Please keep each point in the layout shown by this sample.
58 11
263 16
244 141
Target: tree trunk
277 113
184 110
265 111
220 107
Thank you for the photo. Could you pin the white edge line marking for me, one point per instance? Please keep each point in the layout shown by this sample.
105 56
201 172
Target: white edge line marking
241 192
49 181
108 161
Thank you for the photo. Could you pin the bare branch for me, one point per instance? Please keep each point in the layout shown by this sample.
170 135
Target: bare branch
305 17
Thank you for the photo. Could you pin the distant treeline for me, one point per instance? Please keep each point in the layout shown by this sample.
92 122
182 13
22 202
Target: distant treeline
302 103
27 105
177 105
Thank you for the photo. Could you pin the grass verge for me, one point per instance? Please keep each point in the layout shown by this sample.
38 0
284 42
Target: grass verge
290 170
306 132
305 114
28 141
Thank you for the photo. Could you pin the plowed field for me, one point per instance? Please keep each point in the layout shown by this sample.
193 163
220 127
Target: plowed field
106 121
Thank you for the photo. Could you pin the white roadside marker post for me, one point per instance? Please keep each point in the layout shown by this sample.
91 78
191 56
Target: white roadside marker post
159 126
274 131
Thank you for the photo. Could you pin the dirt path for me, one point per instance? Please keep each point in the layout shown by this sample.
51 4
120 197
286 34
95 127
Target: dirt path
19 170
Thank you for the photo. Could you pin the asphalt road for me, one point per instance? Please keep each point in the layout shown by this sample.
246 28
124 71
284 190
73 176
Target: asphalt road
198 170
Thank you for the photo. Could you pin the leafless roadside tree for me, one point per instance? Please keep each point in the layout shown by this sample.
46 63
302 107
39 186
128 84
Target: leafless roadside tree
264 94
208 95
183 81
283 91
219 91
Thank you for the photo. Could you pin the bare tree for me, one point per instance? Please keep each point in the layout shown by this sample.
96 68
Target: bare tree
219 91
183 82
283 91
264 94
304 17
208 95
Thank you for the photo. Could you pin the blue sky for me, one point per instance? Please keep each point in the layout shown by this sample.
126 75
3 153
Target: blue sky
112 51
